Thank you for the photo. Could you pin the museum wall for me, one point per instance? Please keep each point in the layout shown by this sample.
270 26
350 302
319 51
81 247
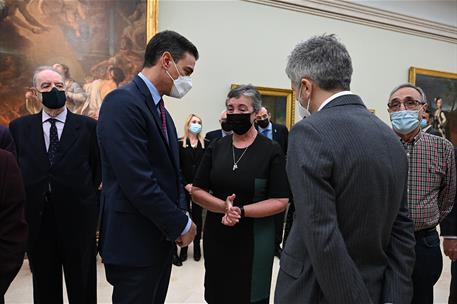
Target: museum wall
242 42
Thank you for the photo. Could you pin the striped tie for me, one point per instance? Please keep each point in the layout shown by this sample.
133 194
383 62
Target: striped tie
163 116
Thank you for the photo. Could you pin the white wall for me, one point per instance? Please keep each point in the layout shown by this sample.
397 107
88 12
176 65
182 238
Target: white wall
242 42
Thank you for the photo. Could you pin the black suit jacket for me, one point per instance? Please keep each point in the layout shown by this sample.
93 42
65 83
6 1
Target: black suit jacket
6 141
449 224
352 240
213 135
74 177
13 228
142 194
280 135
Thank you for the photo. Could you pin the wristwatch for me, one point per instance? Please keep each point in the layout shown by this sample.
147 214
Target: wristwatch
242 211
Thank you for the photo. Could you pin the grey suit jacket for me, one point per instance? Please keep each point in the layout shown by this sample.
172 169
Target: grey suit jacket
351 241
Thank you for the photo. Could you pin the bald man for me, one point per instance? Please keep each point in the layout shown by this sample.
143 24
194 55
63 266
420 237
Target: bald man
58 155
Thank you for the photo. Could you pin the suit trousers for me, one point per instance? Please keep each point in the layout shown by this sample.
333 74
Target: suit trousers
428 267
279 228
453 287
139 285
49 255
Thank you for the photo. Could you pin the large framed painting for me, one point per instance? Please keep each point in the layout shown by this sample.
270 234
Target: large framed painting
443 86
98 44
280 103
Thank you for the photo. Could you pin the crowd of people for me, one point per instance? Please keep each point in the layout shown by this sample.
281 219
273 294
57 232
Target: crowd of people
363 198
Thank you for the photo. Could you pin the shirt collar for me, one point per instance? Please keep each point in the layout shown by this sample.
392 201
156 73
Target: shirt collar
415 139
62 117
269 127
328 100
152 89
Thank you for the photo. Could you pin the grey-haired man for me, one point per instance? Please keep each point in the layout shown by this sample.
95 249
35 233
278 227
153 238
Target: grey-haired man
352 241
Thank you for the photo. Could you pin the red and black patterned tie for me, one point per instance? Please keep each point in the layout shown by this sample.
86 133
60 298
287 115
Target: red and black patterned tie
53 140
163 116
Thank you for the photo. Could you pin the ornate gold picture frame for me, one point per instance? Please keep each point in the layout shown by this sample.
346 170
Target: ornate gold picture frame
439 84
280 103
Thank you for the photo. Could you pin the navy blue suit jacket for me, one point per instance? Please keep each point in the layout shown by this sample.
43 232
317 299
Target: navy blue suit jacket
142 190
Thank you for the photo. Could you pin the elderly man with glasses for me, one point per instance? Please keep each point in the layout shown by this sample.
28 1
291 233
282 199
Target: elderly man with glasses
431 185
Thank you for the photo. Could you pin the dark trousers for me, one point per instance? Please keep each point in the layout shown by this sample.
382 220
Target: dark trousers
289 221
49 255
279 228
196 215
139 285
453 289
428 267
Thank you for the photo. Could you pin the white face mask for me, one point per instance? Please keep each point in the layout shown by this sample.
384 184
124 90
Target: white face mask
181 85
303 112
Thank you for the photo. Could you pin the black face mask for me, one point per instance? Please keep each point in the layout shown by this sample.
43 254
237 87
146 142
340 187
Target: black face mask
263 123
54 99
240 123
226 126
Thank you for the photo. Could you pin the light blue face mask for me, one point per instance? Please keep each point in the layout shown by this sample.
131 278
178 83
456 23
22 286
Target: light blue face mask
423 123
195 128
404 121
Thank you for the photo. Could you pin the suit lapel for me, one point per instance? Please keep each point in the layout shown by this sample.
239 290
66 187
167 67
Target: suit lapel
37 136
69 135
172 144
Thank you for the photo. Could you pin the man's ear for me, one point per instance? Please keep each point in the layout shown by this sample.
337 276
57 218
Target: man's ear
307 86
166 60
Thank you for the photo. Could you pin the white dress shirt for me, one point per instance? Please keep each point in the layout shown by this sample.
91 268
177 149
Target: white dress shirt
328 100
47 125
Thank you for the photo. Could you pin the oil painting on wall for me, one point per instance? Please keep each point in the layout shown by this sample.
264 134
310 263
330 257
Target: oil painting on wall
441 91
99 45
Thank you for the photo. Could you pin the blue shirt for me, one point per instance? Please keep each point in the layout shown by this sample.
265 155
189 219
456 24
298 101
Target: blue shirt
268 131
156 98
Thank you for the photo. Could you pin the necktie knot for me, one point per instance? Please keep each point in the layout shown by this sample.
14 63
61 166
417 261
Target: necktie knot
52 121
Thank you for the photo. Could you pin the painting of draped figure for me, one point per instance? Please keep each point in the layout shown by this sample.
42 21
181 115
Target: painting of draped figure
98 45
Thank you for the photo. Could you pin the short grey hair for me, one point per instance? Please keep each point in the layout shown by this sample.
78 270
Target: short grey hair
322 59
247 90
409 85
44 68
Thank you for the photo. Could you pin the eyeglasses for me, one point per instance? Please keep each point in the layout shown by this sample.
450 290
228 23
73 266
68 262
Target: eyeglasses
409 104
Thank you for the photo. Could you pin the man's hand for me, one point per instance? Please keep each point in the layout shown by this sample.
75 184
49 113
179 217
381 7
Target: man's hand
185 239
450 248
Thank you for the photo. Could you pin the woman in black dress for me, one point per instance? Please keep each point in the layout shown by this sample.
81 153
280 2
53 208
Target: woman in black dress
242 182
191 149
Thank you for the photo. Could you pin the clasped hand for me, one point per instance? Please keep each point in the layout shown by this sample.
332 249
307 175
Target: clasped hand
232 213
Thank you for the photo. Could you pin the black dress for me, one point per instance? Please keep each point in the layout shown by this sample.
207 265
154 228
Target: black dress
239 259
190 158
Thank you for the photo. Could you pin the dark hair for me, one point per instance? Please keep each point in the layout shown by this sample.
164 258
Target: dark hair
168 41
118 74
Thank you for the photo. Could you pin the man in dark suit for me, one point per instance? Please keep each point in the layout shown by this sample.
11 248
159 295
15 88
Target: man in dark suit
280 134
352 241
58 155
427 123
143 195
13 228
6 140
449 233
219 133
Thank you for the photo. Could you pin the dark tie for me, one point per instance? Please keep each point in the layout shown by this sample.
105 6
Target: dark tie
53 140
163 117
